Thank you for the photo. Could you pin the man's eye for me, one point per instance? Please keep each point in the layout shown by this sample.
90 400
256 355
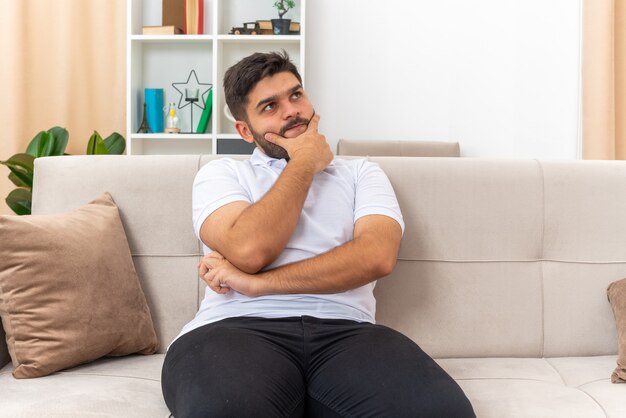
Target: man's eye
268 107
297 95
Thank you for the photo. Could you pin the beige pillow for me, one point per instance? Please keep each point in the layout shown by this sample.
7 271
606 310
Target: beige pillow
617 296
69 292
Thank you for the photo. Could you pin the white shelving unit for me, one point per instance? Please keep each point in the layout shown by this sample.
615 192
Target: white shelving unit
157 61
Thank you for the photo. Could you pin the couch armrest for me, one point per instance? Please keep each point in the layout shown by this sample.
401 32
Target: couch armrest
4 351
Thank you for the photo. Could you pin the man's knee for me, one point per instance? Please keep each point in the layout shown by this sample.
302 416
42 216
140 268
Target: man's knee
447 399
454 404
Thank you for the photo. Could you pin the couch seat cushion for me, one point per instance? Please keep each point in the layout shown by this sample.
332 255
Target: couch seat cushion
497 387
109 387
532 387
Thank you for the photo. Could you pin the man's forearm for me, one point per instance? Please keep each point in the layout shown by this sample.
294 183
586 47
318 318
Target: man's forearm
266 226
370 255
353 264
335 271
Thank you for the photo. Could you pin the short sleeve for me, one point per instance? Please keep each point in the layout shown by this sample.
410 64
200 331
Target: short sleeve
374 194
216 184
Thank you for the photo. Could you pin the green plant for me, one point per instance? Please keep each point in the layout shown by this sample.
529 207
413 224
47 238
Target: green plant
46 144
283 6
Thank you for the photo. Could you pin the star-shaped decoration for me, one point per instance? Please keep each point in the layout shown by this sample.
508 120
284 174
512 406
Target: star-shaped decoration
189 84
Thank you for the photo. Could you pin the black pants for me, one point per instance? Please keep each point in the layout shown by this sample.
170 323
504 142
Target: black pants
304 366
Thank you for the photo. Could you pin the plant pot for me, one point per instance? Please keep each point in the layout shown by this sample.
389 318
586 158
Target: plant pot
281 26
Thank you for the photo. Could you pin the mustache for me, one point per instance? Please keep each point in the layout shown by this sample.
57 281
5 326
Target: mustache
293 122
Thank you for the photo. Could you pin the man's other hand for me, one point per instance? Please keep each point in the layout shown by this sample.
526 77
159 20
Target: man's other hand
310 147
222 277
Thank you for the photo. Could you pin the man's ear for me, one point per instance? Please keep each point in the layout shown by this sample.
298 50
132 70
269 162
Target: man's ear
244 131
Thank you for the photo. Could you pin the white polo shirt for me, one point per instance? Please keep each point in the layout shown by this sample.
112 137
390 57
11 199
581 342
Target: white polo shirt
339 195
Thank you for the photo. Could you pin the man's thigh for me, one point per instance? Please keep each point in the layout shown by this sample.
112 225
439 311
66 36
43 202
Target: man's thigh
366 370
231 369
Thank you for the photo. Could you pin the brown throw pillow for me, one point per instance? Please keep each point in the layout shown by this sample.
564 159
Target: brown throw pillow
69 292
617 297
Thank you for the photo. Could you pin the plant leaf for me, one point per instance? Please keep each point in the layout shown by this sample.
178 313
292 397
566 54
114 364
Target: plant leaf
22 168
61 136
23 176
115 144
33 146
16 180
96 145
21 160
20 200
46 145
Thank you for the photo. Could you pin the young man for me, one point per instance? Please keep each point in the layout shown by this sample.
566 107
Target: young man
294 241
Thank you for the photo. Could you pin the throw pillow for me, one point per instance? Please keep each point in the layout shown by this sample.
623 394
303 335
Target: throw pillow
617 297
69 292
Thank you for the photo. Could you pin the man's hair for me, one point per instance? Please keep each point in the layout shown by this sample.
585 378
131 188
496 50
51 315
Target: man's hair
241 78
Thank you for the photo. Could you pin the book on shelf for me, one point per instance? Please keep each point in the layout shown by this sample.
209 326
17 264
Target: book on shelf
162 30
206 114
174 13
194 17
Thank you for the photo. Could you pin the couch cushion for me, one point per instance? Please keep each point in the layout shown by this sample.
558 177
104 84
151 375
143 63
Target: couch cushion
463 209
161 239
69 292
534 387
578 321
111 387
589 374
459 309
616 293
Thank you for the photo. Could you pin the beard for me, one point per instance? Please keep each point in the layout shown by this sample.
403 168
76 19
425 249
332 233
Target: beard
271 149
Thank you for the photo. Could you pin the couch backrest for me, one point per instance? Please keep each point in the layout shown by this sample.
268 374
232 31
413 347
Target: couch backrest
507 257
398 148
499 257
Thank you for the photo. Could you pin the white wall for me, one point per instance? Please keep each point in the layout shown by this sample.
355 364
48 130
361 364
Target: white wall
499 76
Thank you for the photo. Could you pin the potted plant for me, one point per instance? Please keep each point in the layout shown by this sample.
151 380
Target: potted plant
45 144
280 26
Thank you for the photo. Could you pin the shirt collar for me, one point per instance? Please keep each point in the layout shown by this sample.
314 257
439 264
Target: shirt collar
260 158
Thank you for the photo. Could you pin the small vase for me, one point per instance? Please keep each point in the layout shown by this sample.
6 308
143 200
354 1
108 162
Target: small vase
281 26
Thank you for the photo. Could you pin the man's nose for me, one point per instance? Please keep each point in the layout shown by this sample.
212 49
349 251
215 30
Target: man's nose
290 110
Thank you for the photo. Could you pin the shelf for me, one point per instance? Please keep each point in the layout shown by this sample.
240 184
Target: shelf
171 137
172 38
165 136
259 38
209 38
162 61
228 136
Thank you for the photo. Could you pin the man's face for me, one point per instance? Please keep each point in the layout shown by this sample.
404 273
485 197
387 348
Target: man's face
277 104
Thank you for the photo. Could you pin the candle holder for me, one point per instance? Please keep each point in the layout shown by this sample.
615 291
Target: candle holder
193 95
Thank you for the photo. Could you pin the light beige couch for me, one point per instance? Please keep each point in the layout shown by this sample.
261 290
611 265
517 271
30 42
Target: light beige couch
502 277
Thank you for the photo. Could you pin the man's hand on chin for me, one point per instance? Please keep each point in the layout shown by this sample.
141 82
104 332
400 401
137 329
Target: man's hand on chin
222 277
310 147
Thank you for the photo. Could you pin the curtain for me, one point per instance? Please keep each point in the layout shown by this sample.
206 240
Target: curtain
604 79
62 63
